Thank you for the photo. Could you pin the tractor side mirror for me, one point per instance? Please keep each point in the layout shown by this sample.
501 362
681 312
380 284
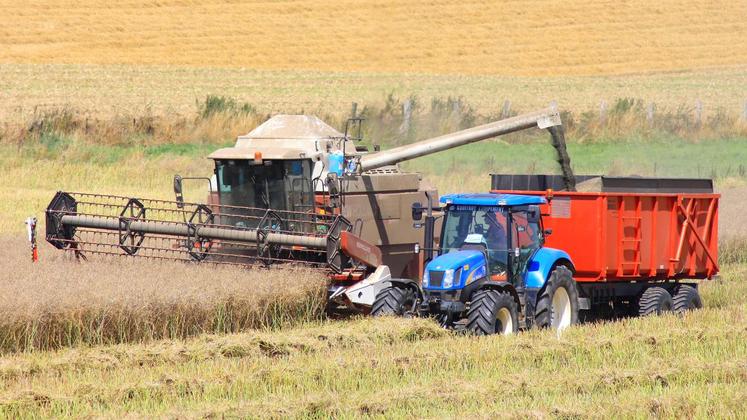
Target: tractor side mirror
417 211
178 191
533 214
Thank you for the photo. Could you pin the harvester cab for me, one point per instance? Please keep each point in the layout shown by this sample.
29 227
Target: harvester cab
490 267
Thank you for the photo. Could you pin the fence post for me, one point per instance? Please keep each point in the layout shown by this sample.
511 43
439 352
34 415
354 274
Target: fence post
603 112
650 114
506 109
698 113
406 116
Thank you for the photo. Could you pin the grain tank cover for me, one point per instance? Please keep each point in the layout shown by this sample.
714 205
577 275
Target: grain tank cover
287 127
287 137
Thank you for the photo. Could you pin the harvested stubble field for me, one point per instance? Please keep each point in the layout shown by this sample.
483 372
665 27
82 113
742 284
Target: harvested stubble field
668 366
63 302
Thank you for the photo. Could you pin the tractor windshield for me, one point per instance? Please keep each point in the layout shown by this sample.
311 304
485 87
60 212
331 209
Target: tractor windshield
477 227
278 185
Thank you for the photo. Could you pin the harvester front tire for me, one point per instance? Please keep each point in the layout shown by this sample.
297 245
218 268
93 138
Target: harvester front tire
493 312
393 300
557 305
654 300
686 298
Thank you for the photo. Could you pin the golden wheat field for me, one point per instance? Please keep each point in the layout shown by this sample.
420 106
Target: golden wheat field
447 36
130 57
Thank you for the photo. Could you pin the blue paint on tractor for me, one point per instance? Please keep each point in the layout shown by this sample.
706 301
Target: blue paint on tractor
539 266
492 199
465 266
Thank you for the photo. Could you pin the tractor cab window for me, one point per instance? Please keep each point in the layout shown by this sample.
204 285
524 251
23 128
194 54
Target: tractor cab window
477 227
277 185
525 236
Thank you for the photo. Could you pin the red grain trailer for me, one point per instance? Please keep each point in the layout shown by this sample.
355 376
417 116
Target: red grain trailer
625 235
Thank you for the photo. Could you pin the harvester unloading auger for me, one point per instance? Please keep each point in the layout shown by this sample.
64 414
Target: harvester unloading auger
294 190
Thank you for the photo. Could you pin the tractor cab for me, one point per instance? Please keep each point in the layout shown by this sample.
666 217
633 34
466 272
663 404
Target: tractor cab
485 237
488 242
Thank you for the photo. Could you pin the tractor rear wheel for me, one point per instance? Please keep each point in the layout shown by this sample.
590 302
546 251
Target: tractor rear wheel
493 312
393 300
557 305
686 298
654 300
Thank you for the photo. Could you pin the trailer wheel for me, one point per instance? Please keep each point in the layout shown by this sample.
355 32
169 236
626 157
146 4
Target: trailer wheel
686 298
393 300
557 305
654 300
493 312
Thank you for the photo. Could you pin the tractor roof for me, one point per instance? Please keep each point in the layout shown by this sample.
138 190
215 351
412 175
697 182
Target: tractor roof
492 199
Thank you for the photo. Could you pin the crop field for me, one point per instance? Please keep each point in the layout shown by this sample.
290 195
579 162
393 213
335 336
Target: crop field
117 97
527 38
667 366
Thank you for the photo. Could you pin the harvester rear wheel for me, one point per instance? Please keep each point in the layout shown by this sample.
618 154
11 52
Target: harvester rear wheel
686 298
393 300
557 305
492 312
654 300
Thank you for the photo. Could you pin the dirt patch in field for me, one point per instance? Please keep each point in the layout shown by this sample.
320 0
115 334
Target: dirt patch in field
732 217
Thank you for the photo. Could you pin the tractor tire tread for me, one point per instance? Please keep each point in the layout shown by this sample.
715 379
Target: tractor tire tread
484 306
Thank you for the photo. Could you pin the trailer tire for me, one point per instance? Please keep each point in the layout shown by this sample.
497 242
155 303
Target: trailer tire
654 300
557 305
393 300
686 298
492 312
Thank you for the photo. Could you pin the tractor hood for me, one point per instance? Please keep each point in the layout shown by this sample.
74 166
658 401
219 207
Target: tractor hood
455 260
454 270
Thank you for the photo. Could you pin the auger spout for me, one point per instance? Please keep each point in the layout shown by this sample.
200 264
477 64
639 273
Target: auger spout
545 118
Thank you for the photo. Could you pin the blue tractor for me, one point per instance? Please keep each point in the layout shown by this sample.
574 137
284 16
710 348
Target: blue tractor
491 273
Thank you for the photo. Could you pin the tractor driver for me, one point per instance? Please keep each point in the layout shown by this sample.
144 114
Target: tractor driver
496 240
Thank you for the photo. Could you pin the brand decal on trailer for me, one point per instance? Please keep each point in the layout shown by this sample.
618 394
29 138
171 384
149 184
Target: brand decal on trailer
561 208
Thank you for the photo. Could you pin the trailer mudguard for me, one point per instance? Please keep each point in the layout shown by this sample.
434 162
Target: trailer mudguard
541 263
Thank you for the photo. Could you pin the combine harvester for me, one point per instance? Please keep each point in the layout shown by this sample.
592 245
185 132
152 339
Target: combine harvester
297 191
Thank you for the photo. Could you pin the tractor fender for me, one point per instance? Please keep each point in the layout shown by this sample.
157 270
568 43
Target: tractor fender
541 264
501 286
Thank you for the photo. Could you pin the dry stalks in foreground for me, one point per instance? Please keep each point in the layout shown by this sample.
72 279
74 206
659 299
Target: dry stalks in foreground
60 302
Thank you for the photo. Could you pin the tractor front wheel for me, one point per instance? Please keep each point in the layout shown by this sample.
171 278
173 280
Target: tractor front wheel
393 300
492 312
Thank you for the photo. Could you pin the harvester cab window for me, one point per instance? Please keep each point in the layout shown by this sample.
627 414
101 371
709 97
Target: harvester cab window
477 227
283 185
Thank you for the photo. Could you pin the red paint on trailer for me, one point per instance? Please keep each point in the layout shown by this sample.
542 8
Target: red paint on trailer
633 236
